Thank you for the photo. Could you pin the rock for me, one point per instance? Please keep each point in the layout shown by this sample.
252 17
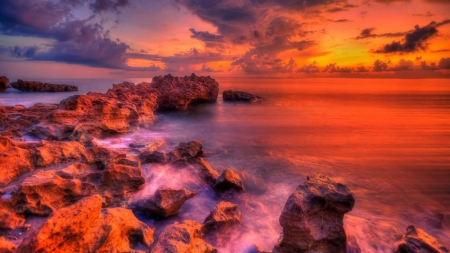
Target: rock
223 217
14 161
9 219
4 83
207 173
183 237
46 192
102 157
312 218
229 180
184 153
120 180
229 95
153 157
179 92
255 249
418 241
55 152
85 227
33 86
165 202
6 246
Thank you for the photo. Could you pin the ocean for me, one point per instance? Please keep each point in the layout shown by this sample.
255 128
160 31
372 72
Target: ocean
387 140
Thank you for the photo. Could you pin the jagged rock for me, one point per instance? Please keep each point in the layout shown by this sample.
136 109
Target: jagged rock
223 217
14 161
179 92
46 192
9 219
185 237
102 157
418 241
33 86
165 202
229 180
4 83
230 95
184 153
120 180
207 173
85 227
312 218
6 246
153 157
55 152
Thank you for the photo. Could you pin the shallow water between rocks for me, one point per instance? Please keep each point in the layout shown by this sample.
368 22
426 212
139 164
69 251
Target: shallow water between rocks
388 140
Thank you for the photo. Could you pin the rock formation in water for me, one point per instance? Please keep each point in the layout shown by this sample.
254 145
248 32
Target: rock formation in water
229 180
165 202
6 246
4 83
230 95
223 217
185 237
33 86
183 154
418 241
86 227
312 218
207 173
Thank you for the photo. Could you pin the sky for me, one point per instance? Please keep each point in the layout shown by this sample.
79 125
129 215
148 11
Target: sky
298 38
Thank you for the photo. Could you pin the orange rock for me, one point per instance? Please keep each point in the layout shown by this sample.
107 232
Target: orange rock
9 219
417 241
223 217
55 152
46 192
13 161
229 180
85 227
119 180
183 237
6 246
208 174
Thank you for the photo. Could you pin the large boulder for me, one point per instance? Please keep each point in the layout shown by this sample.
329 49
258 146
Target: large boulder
119 181
46 192
86 227
14 160
33 86
179 92
230 95
55 152
186 237
229 180
312 218
4 83
418 241
223 217
165 202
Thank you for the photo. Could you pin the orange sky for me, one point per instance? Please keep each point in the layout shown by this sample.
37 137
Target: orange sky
137 38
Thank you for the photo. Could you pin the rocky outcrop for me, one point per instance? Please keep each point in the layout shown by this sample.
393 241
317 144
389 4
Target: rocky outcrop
223 217
179 92
119 181
229 180
6 246
184 153
165 202
183 237
230 95
312 218
9 219
14 161
46 192
4 83
86 227
55 152
33 86
418 241
207 173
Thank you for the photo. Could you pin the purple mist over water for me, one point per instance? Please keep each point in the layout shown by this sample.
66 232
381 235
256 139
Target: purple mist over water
387 140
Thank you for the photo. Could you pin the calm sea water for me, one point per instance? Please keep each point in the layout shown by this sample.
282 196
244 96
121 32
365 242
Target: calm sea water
387 140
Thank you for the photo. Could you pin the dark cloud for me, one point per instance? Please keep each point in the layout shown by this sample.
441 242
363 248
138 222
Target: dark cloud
367 33
344 7
311 68
361 69
339 20
380 66
428 14
444 63
413 41
333 68
206 36
425 66
403 65
392 1
74 41
208 69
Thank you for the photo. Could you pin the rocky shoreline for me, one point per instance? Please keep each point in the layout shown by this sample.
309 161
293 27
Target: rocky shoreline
82 190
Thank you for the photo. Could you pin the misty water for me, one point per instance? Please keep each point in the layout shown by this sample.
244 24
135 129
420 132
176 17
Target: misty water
387 140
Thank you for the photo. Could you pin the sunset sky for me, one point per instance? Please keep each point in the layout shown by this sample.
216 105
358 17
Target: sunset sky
144 38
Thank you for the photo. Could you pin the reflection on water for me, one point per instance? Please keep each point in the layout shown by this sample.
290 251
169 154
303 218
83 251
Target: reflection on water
387 140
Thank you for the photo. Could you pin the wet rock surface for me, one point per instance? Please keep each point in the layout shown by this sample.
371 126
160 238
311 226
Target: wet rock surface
418 241
4 83
230 95
229 180
183 154
223 217
185 237
86 227
312 218
6 246
207 173
33 86
165 202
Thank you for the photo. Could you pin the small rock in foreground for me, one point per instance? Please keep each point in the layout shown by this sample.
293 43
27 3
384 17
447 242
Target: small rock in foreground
224 216
229 180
